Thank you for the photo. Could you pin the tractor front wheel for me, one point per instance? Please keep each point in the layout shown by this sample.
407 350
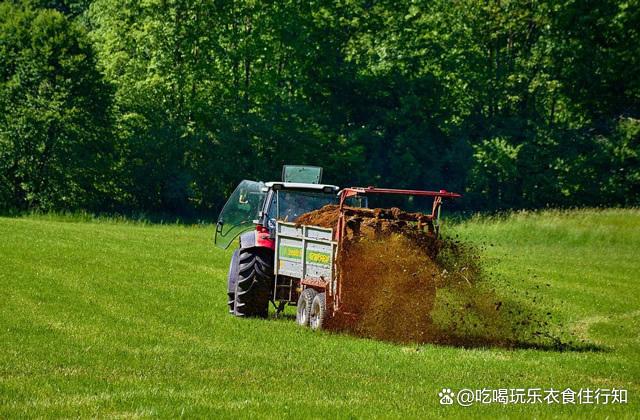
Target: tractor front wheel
255 282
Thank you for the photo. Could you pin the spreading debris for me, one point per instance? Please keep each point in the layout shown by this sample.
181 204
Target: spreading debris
401 283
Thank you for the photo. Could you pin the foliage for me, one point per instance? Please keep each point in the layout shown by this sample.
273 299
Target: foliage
54 114
432 95
495 170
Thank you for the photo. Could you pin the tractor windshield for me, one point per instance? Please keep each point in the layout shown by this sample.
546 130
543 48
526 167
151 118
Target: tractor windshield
238 214
287 205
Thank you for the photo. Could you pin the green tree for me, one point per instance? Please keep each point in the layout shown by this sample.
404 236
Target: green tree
532 103
54 113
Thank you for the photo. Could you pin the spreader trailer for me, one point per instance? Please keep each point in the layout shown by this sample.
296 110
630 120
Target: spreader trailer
306 255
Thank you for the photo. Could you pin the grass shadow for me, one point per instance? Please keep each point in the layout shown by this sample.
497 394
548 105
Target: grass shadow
554 345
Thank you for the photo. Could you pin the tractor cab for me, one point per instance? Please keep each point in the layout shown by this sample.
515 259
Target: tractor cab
259 205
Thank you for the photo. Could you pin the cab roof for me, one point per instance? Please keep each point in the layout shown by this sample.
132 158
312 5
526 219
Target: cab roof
302 186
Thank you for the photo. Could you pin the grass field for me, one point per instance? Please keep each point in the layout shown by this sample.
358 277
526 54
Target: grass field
116 319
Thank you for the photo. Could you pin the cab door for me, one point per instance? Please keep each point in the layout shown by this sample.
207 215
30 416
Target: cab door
239 213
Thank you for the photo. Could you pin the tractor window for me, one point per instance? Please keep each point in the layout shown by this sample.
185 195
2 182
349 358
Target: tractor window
288 205
238 214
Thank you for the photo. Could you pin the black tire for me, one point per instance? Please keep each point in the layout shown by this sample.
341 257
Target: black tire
232 279
255 282
304 306
318 313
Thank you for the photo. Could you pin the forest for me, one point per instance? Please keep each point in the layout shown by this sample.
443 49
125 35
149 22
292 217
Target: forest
161 107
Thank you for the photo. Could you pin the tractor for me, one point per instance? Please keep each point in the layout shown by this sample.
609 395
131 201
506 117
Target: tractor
285 263
251 212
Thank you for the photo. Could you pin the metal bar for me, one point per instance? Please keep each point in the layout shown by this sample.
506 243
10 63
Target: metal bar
276 263
318 282
374 190
303 254
290 289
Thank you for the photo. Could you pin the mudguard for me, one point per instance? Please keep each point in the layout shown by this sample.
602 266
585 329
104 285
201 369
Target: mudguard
248 239
232 277
256 238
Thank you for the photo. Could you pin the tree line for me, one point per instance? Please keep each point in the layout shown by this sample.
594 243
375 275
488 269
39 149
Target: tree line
162 106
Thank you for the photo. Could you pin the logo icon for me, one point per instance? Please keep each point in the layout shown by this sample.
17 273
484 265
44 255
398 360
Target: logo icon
446 396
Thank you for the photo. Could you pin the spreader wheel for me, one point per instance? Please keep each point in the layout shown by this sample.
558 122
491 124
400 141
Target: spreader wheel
318 312
304 306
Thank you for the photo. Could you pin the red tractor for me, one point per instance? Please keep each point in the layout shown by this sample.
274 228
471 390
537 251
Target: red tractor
252 212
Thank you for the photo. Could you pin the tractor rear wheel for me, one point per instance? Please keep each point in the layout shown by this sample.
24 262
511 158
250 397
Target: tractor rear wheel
304 306
255 282
318 312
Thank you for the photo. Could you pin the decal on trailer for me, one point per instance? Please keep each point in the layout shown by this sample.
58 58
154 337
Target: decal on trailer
316 257
291 252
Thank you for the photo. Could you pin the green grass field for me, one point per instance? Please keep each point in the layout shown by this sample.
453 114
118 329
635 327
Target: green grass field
119 319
